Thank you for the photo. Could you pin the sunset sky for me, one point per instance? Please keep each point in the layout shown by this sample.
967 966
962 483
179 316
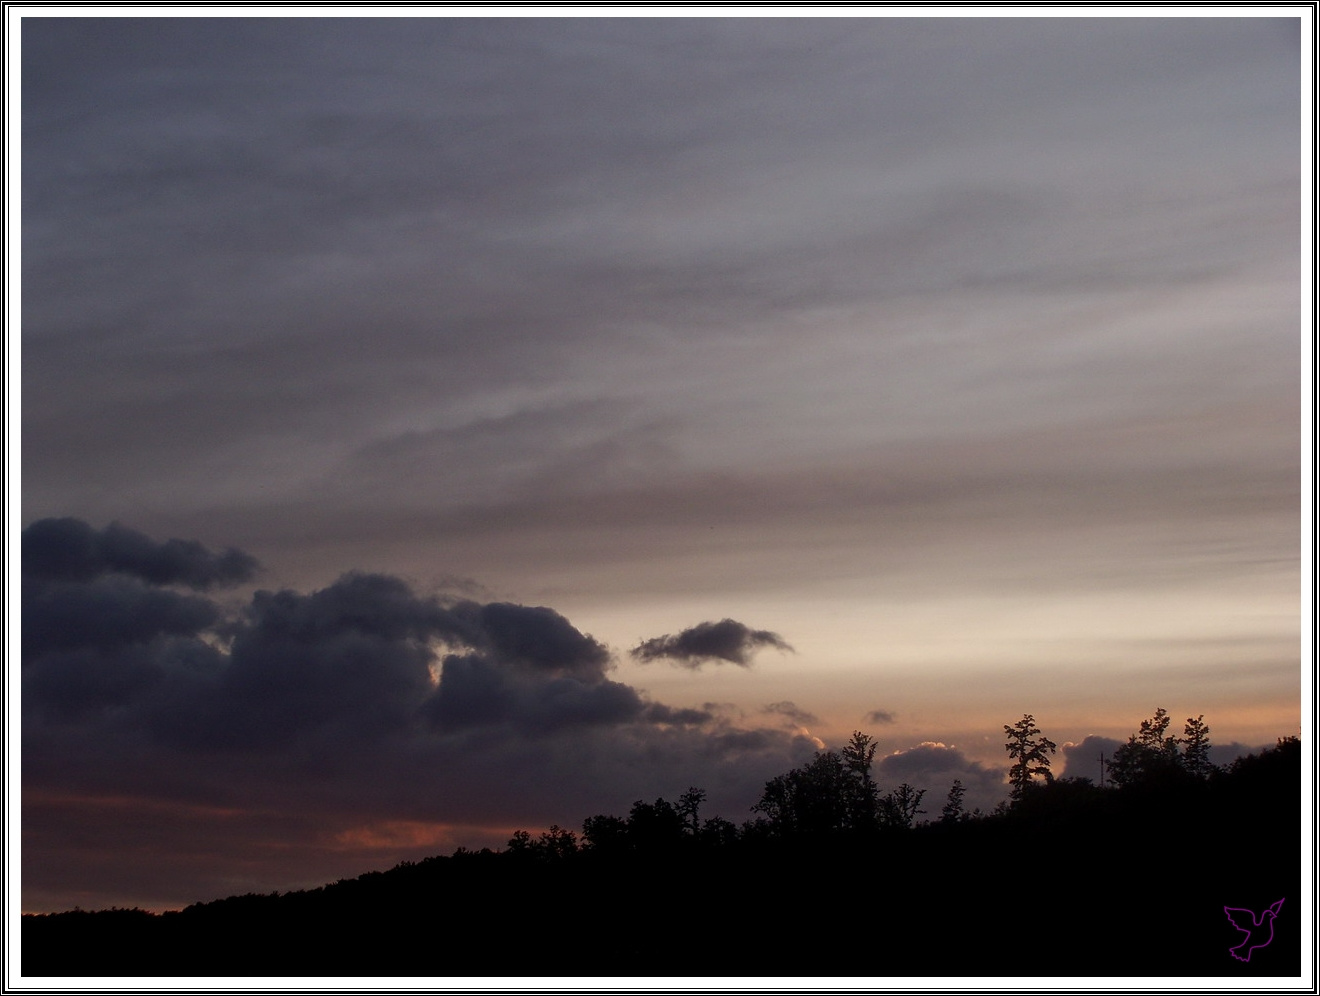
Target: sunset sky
957 362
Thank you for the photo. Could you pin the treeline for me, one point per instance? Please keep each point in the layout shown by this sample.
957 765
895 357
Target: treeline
836 794
831 876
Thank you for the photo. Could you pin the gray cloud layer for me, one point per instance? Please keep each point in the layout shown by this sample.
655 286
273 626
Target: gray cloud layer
265 263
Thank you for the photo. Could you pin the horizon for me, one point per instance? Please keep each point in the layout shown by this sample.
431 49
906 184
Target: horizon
209 682
436 427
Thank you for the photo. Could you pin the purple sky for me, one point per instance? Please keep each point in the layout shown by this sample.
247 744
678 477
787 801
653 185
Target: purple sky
955 363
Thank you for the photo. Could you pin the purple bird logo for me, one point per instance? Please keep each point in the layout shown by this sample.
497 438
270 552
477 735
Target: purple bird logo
1259 929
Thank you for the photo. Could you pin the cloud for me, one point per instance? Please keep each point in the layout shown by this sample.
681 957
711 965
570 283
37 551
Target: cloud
94 635
925 758
534 637
357 660
878 716
790 711
727 640
1082 760
305 711
658 712
476 691
700 307
529 667
362 657
71 550
352 660
77 683
105 613
935 766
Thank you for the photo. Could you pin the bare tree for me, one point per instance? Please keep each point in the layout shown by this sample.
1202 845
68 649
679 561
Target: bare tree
899 808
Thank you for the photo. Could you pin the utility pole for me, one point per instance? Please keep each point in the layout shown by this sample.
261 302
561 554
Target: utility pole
1102 769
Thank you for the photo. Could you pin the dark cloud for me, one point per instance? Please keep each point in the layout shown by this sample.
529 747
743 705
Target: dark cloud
374 605
357 659
658 712
362 657
472 692
97 628
727 640
528 667
791 712
476 691
1226 754
1082 760
568 702
105 613
732 739
534 637
71 550
934 767
353 658
64 685
364 701
878 716
924 759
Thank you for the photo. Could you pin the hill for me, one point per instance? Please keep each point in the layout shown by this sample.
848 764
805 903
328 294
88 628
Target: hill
1071 880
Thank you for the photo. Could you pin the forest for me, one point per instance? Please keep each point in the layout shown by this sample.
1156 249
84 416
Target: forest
1174 868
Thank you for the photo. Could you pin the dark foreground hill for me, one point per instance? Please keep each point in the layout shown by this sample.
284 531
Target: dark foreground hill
1071 881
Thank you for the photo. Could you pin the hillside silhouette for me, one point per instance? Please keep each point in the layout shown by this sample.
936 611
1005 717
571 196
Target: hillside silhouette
829 878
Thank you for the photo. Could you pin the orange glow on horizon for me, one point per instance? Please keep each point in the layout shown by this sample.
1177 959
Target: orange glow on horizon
390 834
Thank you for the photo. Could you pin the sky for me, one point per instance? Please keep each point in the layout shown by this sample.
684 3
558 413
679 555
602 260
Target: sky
433 427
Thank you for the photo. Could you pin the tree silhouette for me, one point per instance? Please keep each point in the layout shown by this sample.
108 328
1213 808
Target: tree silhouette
558 843
605 834
1153 734
1029 751
899 808
858 755
654 826
384 923
688 805
813 799
1150 753
953 806
520 842
1196 747
554 844
719 832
